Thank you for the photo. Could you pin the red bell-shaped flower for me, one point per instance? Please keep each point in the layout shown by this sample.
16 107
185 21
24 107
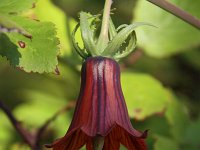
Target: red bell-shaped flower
101 111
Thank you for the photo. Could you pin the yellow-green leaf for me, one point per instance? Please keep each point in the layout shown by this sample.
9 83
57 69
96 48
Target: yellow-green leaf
144 95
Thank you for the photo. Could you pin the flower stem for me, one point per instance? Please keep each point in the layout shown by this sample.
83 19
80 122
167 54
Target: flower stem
103 37
98 143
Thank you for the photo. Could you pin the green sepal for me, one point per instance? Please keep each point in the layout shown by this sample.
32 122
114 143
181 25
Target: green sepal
114 45
80 51
89 25
112 30
121 26
95 24
129 49
87 34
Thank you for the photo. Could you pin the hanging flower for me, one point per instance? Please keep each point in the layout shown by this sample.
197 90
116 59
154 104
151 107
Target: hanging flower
101 112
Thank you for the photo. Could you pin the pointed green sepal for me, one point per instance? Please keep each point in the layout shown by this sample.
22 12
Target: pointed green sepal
115 44
129 49
112 30
89 25
80 51
87 34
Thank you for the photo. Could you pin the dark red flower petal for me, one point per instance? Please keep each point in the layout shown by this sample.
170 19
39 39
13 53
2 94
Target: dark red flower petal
73 141
101 111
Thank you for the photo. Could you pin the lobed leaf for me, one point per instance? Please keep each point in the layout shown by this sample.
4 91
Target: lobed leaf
38 54
7 25
62 22
15 6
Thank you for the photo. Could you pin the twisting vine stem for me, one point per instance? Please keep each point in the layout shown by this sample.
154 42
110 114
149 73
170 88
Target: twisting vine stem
177 12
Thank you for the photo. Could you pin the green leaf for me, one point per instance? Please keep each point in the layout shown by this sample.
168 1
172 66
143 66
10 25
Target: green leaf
39 108
192 58
38 54
192 136
36 110
6 130
7 25
144 95
172 35
15 6
177 117
59 18
165 143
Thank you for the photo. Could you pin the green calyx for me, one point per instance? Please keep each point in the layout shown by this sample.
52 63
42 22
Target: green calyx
122 41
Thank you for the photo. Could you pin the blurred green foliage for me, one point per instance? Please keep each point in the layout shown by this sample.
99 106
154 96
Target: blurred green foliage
172 35
162 95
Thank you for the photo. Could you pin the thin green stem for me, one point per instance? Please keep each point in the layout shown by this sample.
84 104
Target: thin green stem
105 21
103 37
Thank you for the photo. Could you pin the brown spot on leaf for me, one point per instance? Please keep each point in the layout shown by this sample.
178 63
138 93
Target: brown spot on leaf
161 113
36 20
21 44
33 5
137 110
20 68
28 36
13 13
57 71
